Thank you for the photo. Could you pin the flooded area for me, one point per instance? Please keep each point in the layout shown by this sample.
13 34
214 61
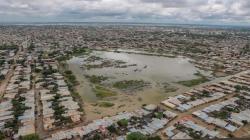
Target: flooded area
156 70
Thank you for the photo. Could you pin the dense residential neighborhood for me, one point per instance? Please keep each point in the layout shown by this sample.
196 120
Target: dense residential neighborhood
41 94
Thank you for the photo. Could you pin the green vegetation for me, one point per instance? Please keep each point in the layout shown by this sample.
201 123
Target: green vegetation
96 136
49 71
105 104
8 47
104 63
231 109
30 137
195 134
112 129
80 51
123 123
18 109
31 46
194 82
63 58
140 136
70 77
130 84
59 111
96 79
159 115
246 49
205 93
103 92
68 72
2 77
2 136
168 88
93 58
238 88
245 122
2 61
72 83
68 54
221 114
136 136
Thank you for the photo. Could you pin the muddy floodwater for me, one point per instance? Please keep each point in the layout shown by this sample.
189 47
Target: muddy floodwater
153 69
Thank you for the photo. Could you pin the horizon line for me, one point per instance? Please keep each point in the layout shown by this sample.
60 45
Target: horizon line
116 22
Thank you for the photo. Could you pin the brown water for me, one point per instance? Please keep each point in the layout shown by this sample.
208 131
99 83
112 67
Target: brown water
154 69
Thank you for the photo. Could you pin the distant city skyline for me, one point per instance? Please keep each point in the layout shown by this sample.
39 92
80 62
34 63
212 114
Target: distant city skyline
210 12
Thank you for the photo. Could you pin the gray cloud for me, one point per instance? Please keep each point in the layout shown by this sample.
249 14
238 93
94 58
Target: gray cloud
217 11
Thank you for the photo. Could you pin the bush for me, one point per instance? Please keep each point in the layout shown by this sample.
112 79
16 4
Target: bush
1 136
112 129
106 104
136 136
68 72
97 137
2 77
123 123
159 115
244 122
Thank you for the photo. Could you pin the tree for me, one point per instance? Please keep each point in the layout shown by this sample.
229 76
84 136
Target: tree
97 137
244 122
1 136
68 72
112 129
230 135
2 77
237 88
136 136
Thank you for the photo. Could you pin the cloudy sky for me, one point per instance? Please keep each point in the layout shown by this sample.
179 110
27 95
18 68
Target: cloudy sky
236 12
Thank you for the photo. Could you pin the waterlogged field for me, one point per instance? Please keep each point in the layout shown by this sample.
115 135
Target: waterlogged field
125 81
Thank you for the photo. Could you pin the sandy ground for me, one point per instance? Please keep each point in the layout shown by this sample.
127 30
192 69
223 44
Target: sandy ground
122 102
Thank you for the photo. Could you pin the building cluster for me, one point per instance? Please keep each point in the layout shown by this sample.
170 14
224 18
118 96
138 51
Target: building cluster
17 107
220 50
228 114
147 120
6 60
232 113
196 97
188 129
39 94
58 106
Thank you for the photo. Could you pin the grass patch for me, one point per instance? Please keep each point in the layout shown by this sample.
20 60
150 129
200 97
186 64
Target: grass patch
103 92
168 88
130 84
105 104
30 137
194 82
96 79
